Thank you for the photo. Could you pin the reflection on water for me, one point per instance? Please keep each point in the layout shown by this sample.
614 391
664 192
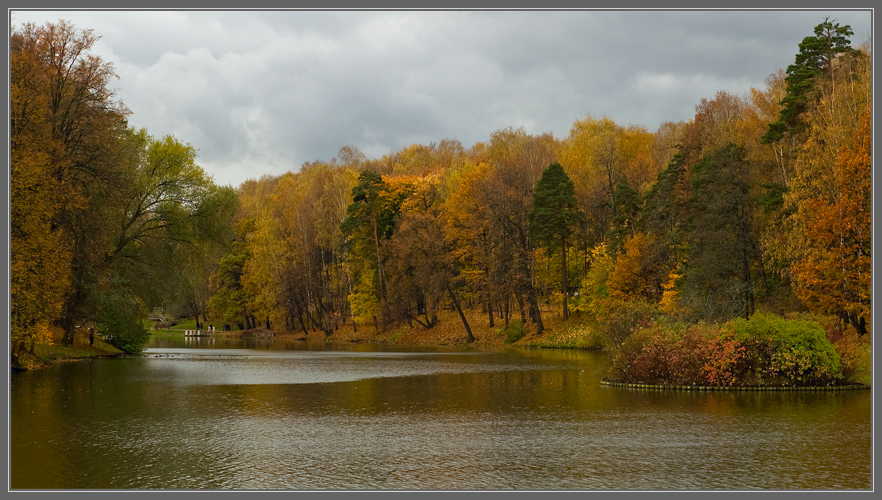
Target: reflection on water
260 415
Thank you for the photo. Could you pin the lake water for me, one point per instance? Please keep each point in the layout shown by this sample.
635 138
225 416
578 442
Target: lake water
219 414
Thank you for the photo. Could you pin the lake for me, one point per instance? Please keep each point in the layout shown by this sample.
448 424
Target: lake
212 413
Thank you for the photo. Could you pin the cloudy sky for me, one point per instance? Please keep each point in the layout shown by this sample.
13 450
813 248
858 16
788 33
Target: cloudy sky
261 92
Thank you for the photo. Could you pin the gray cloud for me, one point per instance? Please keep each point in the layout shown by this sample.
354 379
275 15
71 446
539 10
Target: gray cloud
260 92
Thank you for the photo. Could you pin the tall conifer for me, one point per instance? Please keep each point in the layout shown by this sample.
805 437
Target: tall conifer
554 216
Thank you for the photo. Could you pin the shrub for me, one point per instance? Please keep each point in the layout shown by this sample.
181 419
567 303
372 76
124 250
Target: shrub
855 356
591 340
619 318
725 363
624 355
765 350
855 351
653 364
788 352
664 353
120 321
689 354
514 331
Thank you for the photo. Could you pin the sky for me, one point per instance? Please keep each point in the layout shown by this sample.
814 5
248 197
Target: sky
261 92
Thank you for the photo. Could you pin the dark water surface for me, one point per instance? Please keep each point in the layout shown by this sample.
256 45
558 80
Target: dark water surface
210 413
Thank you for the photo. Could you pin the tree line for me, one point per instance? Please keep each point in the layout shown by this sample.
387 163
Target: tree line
759 202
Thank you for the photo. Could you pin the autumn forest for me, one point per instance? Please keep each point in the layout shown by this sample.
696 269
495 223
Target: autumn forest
738 239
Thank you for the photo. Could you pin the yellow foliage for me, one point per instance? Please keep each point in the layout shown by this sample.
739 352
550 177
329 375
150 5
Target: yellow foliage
594 285
630 279
598 151
43 335
668 302
363 300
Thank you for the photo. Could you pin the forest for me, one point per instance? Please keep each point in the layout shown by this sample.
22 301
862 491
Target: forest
757 210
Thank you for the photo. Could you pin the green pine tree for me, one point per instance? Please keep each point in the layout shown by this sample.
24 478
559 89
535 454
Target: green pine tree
370 220
815 58
554 216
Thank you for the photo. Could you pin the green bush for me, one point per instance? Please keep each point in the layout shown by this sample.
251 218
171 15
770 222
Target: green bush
788 352
120 320
855 351
514 331
590 341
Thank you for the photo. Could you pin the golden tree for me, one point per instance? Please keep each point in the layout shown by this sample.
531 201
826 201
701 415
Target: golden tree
834 274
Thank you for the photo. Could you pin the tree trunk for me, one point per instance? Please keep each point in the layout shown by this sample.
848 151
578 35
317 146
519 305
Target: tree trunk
67 325
535 314
469 337
566 289
748 285
521 307
490 311
299 316
72 314
24 359
381 278
762 270
859 324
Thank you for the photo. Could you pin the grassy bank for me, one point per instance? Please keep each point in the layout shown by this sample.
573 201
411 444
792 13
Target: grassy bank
46 354
58 352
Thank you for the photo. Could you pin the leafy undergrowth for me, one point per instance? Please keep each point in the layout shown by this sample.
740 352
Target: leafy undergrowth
672 351
855 352
572 334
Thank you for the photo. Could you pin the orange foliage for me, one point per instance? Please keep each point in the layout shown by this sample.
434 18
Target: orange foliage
834 276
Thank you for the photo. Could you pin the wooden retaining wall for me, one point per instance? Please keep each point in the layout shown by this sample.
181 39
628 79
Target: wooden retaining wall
626 385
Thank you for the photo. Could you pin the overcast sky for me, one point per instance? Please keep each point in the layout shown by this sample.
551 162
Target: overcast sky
261 92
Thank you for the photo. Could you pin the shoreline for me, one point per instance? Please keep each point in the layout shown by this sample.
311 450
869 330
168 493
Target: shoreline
448 332
575 333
